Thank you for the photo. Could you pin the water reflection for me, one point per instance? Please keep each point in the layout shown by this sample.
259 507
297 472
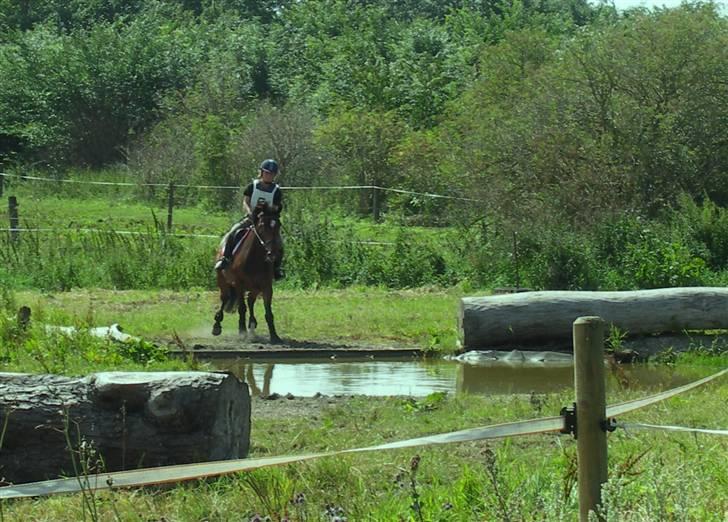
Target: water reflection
513 379
344 378
420 378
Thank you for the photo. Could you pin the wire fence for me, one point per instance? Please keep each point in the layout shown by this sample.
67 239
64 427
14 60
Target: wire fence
15 228
233 187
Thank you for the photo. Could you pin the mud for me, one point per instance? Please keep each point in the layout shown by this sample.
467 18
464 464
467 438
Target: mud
260 348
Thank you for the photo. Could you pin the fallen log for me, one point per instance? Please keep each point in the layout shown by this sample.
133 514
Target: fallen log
542 317
52 425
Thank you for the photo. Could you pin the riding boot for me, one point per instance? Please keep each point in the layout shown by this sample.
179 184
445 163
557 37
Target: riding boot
226 258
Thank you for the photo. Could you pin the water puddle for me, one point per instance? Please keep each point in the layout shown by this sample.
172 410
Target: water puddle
419 378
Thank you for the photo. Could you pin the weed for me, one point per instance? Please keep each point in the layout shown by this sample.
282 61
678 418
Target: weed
615 338
83 461
493 473
6 419
407 478
668 357
430 403
627 469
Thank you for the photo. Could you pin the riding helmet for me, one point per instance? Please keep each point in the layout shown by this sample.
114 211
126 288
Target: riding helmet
269 165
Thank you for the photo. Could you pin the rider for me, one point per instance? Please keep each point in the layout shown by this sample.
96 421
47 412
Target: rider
261 193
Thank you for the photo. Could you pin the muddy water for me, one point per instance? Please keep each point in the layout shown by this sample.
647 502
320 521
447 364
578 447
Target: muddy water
419 378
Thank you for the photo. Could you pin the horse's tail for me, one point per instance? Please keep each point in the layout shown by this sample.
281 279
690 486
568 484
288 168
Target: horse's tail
231 301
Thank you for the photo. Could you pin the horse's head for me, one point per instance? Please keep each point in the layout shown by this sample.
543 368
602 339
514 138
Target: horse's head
267 228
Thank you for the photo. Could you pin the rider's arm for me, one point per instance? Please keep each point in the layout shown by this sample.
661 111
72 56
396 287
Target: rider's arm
277 201
246 205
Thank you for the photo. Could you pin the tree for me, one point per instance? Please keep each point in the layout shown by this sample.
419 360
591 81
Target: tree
362 144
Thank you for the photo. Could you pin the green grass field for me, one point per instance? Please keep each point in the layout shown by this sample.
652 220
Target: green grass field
424 318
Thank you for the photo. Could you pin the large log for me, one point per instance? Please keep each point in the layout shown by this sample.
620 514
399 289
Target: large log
127 420
544 317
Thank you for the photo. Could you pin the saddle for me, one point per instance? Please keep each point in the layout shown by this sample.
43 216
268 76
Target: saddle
235 240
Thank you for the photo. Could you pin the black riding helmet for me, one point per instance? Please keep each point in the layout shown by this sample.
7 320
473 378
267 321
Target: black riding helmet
269 165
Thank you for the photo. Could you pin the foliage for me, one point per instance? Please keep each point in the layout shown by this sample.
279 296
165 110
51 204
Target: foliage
603 129
578 130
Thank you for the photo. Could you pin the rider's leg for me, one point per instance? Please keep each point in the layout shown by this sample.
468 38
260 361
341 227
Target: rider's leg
226 258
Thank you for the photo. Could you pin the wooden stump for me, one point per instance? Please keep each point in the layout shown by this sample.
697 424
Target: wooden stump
542 317
115 420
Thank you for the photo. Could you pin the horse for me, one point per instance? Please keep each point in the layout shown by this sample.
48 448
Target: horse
251 273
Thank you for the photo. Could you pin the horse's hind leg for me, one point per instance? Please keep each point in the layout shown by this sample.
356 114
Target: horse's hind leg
267 300
253 322
241 315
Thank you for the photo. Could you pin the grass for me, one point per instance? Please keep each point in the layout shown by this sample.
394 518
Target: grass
653 475
426 318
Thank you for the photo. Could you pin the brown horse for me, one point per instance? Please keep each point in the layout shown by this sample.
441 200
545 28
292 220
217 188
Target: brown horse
251 272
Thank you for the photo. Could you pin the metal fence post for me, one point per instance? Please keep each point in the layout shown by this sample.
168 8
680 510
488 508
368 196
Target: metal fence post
14 221
591 407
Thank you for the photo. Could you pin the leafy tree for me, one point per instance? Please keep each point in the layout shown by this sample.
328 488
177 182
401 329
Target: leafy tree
284 133
362 145
79 97
579 131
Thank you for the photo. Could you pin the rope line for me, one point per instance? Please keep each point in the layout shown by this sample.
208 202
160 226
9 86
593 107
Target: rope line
228 187
626 426
165 474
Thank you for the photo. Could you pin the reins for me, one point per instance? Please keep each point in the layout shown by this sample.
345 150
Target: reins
264 244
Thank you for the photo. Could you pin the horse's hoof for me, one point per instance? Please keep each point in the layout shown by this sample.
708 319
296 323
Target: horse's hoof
276 340
216 330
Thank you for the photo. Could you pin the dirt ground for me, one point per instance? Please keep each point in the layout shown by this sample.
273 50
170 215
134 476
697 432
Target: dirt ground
261 343
288 406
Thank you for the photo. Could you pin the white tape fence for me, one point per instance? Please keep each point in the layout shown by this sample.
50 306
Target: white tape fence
179 473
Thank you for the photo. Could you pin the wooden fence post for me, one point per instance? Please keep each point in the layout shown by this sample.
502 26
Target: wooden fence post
591 406
14 221
515 260
2 184
375 204
170 206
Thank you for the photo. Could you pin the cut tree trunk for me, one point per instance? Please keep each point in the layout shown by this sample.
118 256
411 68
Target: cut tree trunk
544 317
52 425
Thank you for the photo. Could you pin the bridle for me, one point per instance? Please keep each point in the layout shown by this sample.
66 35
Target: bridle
265 244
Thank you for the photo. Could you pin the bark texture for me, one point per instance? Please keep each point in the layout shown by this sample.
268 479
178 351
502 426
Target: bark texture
55 426
537 318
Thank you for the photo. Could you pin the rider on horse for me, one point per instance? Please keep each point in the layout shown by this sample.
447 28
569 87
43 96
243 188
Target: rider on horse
262 193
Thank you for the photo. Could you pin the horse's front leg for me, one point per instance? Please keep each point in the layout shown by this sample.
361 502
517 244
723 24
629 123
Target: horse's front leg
267 300
252 323
217 327
241 315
